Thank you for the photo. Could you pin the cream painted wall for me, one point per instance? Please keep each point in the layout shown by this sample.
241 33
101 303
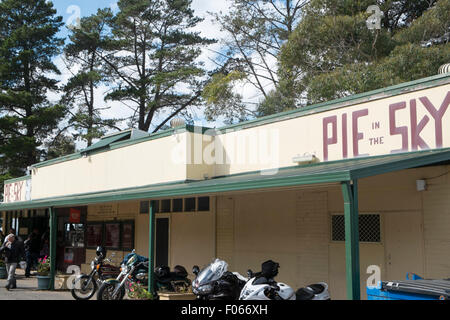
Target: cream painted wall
192 239
150 162
274 145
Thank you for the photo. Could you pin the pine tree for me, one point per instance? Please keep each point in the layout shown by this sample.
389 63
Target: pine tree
28 42
153 58
83 54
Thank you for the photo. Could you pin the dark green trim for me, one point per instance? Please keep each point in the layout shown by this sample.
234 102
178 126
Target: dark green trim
151 247
378 94
185 189
24 178
350 195
53 230
69 157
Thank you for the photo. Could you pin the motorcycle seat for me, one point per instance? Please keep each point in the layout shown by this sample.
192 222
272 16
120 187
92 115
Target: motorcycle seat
309 292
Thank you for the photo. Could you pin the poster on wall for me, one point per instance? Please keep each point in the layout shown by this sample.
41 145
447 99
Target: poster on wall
112 235
75 215
68 255
94 235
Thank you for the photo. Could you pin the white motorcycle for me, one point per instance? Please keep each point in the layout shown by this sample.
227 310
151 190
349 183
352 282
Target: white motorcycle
262 286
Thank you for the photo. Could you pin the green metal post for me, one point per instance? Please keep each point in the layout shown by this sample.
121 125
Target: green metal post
53 226
350 194
151 247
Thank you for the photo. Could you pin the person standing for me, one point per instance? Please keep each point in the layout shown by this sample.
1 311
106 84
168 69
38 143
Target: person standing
13 251
32 251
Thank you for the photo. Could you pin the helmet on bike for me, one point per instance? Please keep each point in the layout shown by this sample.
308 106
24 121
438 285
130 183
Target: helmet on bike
100 252
162 271
269 269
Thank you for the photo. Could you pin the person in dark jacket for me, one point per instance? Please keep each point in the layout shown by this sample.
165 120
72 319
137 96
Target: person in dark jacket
32 249
13 251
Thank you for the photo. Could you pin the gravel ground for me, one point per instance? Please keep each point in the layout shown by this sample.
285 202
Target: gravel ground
27 290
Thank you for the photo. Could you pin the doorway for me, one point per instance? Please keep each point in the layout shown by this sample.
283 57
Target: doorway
404 244
162 241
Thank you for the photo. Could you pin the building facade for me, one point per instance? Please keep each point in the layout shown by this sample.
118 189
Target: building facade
328 191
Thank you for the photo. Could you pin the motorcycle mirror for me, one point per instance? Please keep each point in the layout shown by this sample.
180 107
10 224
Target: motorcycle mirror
195 270
250 273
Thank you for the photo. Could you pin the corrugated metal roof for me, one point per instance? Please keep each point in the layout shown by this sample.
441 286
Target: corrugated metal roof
327 172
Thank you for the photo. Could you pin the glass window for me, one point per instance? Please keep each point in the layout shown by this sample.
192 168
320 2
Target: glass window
94 235
189 204
177 205
144 207
165 205
203 204
112 235
128 235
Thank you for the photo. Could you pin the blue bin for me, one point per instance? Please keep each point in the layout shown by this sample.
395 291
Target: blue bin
415 289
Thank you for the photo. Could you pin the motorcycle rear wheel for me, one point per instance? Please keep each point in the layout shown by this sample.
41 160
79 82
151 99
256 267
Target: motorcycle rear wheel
86 289
106 290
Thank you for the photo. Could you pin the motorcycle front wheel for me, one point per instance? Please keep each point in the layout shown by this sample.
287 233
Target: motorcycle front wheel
84 288
105 292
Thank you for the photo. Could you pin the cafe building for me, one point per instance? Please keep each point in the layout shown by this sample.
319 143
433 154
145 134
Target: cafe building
329 191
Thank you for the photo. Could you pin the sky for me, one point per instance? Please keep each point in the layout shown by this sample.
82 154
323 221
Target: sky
71 9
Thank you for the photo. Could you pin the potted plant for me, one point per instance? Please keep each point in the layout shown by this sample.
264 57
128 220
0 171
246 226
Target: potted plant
43 270
138 292
3 273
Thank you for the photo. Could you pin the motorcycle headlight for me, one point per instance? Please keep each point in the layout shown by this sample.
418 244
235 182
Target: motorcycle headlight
205 289
92 264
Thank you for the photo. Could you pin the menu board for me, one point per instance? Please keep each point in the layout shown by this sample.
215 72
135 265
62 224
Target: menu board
112 235
127 235
94 235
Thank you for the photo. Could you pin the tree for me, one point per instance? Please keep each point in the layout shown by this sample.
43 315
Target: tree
28 42
153 57
83 54
60 146
256 31
333 54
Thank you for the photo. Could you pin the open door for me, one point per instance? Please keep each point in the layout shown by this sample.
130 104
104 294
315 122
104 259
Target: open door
162 242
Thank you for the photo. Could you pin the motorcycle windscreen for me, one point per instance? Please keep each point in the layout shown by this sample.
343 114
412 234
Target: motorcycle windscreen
212 272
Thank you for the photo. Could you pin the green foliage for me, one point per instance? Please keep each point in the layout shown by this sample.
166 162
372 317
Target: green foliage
43 266
62 145
28 44
137 291
88 42
332 54
219 94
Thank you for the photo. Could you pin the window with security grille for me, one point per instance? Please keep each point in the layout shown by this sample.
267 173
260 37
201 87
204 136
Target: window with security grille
369 228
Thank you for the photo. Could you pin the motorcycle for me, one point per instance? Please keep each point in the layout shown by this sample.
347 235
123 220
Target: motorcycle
134 269
84 286
216 283
262 286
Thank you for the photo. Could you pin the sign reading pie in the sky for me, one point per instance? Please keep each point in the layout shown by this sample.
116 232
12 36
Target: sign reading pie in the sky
402 124
17 191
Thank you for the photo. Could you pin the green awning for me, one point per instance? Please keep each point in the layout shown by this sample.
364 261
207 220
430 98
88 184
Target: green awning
327 172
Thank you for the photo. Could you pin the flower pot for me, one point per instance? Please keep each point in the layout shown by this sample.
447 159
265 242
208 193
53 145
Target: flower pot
44 282
3 273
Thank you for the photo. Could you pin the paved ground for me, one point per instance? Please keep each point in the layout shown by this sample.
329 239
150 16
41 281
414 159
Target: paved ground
27 290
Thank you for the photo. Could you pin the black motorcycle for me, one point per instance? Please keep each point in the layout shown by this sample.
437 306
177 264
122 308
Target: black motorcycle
85 285
134 270
216 283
